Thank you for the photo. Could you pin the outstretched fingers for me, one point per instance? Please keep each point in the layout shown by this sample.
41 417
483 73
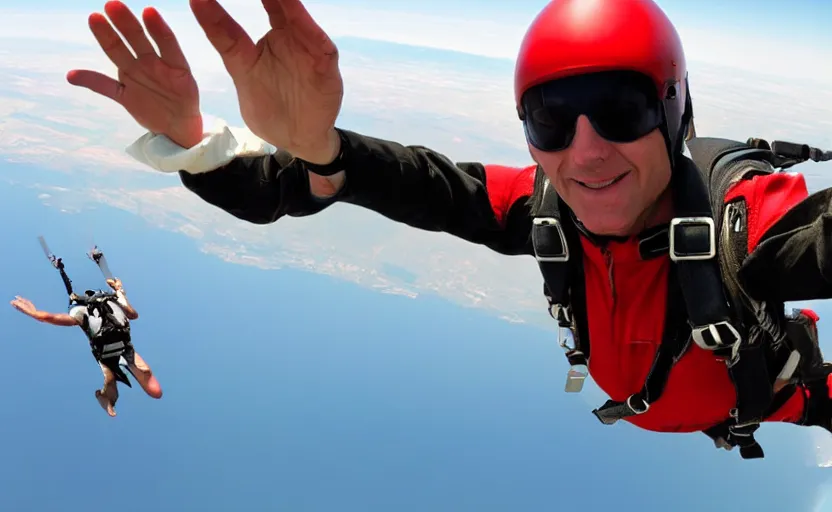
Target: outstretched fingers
165 39
110 42
231 41
127 23
21 304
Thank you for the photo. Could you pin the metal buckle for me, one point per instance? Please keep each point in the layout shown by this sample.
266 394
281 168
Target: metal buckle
699 339
742 429
566 339
611 412
577 373
575 378
561 314
693 221
636 411
539 223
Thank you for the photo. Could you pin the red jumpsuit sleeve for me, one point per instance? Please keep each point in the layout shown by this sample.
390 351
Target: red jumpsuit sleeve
768 198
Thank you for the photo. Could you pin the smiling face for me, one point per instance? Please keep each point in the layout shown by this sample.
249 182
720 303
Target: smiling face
613 188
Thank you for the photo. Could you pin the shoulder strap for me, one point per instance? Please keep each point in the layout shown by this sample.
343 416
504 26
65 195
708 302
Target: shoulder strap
557 249
693 250
722 163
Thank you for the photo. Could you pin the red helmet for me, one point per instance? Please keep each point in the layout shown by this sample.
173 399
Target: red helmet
572 37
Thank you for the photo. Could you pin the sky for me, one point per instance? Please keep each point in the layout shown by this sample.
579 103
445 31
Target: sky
449 395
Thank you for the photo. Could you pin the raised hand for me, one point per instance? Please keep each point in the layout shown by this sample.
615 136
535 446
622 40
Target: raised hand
288 84
158 90
25 306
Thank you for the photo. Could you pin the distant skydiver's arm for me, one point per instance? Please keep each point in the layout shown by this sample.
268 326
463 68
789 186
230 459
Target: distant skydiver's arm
237 172
121 298
26 307
61 319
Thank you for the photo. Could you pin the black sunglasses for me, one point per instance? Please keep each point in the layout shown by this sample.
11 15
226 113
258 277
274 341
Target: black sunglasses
622 106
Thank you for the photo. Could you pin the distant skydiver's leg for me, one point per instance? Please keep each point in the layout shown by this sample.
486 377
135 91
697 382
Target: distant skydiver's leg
143 374
107 396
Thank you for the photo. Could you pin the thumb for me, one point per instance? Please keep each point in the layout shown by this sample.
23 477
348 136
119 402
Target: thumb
231 41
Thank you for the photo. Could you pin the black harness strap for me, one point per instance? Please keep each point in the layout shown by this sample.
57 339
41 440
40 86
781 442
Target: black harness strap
725 162
728 434
693 249
708 306
562 271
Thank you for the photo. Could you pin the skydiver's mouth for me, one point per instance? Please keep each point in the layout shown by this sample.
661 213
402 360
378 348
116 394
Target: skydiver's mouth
600 185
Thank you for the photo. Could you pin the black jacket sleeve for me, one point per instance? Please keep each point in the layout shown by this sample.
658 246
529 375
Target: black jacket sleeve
408 184
793 260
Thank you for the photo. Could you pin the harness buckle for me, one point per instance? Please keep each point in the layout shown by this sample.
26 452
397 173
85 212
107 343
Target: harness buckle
612 411
575 378
695 242
742 435
645 405
561 314
566 339
709 336
578 370
549 248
